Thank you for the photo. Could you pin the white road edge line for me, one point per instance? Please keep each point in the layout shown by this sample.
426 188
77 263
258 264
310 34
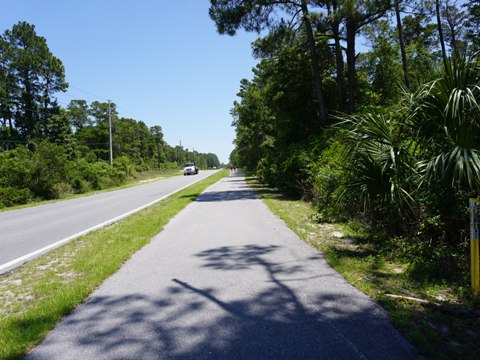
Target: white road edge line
11 264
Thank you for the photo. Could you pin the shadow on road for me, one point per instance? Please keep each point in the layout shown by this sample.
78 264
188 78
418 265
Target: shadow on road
272 323
213 196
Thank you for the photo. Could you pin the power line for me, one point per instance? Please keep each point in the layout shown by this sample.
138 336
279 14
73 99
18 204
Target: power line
20 90
87 92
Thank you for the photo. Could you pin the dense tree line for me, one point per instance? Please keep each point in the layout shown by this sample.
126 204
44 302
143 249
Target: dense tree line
47 151
388 137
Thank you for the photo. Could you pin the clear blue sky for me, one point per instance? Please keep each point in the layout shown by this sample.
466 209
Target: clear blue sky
160 61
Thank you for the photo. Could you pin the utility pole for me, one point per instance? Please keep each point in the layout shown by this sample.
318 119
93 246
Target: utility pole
180 148
110 131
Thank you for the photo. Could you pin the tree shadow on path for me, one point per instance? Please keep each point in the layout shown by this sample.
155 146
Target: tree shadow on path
214 196
262 318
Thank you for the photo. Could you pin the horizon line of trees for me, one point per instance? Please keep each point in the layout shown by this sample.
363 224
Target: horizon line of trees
388 138
47 151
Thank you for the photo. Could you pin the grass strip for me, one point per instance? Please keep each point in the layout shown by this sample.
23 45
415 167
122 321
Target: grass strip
35 296
435 334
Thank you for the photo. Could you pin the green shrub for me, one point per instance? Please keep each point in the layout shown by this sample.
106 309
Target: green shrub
327 176
267 171
16 167
50 166
95 175
294 171
169 165
125 165
10 196
116 176
80 186
62 189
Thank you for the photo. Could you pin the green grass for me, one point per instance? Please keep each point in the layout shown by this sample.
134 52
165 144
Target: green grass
435 334
35 296
142 177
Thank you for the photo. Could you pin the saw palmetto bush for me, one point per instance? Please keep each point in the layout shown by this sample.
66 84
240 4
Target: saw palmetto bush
444 118
380 174
407 174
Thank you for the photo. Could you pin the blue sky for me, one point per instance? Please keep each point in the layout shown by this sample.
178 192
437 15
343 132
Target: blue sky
160 61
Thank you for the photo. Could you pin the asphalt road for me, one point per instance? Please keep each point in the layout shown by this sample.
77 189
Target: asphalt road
226 279
26 232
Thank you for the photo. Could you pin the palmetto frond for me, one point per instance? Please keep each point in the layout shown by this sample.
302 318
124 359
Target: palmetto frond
446 114
379 161
459 166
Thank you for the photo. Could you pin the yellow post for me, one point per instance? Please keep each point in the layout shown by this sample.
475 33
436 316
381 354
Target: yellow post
474 244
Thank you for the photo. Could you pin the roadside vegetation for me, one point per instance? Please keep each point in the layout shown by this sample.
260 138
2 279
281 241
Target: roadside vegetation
49 152
385 139
388 138
35 296
142 177
437 316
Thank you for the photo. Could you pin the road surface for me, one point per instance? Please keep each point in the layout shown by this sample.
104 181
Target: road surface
226 279
25 233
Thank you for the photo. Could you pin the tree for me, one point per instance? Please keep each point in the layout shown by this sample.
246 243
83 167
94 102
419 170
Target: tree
314 58
358 14
440 33
454 19
421 40
7 90
401 41
93 135
382 65
158 144
334 20
78 113
100 111
131 139
254 126
59 131
211 160
473 25
34 76
256 15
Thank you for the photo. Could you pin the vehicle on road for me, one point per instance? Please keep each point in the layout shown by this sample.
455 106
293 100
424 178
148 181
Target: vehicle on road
190 169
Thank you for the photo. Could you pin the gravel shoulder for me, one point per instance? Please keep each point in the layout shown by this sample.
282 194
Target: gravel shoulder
226 279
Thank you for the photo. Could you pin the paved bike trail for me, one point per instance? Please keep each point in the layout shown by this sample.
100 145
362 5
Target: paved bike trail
226 279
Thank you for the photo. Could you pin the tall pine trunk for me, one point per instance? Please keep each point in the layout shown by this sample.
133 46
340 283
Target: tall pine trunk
351 32
340 70
28 124
440 33
340 65
314 59
402 45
